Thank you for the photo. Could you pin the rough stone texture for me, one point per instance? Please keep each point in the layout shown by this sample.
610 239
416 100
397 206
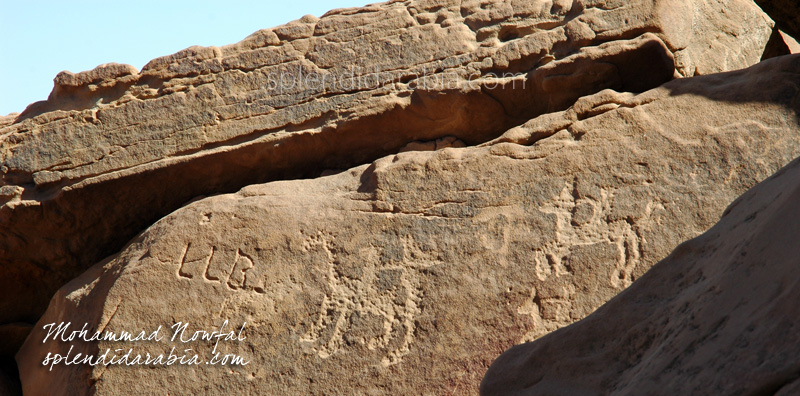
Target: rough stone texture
114 149
786 14
411 274
716 317
8 119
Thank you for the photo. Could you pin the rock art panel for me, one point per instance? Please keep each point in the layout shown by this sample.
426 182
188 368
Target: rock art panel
717 316
114 149
414 272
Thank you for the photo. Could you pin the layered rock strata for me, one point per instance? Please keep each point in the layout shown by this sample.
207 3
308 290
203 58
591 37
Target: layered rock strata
114 149
411 274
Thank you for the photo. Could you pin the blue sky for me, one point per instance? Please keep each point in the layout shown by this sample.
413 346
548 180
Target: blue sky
38 39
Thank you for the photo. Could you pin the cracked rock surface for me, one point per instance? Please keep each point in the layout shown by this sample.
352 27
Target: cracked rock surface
114 149
412 273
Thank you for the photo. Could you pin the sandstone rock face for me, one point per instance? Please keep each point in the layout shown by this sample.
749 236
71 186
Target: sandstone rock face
410 275
115 149
716 317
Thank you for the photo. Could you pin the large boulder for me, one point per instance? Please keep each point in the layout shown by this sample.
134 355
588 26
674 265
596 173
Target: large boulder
719 316
411 274
114 149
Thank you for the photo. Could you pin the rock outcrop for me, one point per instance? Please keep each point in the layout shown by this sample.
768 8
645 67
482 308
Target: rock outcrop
114 149
411 274
716 317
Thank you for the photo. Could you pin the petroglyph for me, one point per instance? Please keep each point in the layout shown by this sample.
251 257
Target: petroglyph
594 230
228 267
442 295
372 304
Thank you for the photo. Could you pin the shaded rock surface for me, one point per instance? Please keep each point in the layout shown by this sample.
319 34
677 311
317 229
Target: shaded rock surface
718 316
411 274
114 149
776 46
786 14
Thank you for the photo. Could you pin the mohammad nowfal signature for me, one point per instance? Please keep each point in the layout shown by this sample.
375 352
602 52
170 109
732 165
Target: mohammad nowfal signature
127 357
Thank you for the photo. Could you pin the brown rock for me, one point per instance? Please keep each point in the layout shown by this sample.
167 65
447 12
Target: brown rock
716 317
791 43
113 150
409 275
8 119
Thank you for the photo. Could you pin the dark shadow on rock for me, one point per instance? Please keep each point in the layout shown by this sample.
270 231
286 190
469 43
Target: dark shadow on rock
717 316
785 13
780 74
775 46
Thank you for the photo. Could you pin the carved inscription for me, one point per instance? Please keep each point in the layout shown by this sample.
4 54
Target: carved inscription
373 303
594 227
231 268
